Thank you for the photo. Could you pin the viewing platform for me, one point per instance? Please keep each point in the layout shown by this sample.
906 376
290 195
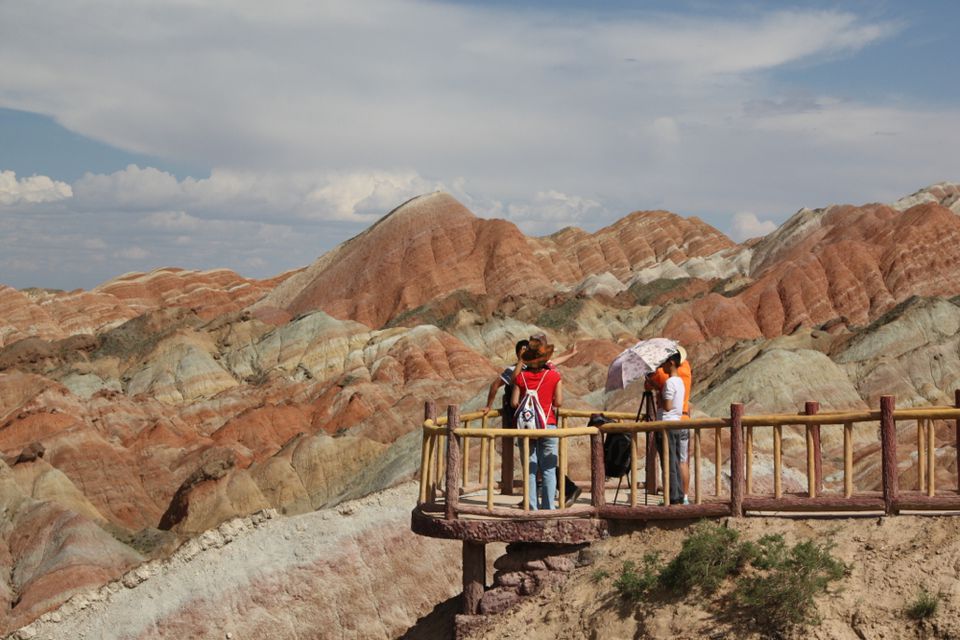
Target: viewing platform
458 449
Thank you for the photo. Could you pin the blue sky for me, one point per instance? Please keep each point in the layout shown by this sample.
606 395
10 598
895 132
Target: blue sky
257 137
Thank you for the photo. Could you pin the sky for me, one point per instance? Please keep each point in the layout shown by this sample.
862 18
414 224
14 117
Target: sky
256 136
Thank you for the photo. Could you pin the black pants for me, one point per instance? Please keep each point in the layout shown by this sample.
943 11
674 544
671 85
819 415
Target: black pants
676 483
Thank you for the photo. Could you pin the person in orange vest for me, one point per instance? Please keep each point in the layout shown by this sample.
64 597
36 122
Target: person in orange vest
655 382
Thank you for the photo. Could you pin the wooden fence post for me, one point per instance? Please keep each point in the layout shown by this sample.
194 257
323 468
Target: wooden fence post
597 474
452 480
650 465
888 446
429 413
813 408
736 460
507 456
956 403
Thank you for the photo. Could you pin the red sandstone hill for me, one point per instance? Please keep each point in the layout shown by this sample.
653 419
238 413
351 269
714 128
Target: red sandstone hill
54 315
433 246
178 399
840 266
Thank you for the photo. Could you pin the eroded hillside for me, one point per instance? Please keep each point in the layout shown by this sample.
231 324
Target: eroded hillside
158 406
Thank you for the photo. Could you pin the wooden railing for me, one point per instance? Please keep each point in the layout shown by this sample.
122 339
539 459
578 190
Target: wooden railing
447 440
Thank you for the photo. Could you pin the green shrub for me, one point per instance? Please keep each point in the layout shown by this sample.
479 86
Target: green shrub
645 294
561 316
781 593
599 576
634 582
776 585
924 605
709 555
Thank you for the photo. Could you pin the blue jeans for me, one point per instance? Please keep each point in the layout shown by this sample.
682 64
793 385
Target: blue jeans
543 458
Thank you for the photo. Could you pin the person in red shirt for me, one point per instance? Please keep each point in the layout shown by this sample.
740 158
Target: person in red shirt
548 384
507 378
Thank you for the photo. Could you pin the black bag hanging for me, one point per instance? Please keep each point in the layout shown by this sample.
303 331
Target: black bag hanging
616 455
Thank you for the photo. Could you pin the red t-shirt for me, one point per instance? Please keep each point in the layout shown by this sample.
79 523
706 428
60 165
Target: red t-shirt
545 382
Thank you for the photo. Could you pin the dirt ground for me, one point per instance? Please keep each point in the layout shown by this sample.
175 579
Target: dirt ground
891 559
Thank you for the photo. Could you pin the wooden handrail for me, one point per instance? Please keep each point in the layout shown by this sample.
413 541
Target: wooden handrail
831 418
445 441
527 433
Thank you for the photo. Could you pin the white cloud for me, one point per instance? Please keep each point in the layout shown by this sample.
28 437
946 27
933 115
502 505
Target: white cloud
349 87
32 190
710 46
363 197
172 221
546 212
748 225
665 130
132 253
317 117
358 197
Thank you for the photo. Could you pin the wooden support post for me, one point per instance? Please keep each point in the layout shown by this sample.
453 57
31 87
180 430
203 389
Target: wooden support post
484 452
474 575
440 443
698 462
507 453
633 469
931 458
749 460
429 413
597 474
848 459
465 443
921 455
650 470
432 468
452 480
561 462
778 461
956 434
888 447
717 460
811 465
736 460
424 468
565 452
665 464
525 466
490 459
813 408
465 453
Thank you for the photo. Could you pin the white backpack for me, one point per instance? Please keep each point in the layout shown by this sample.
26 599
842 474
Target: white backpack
530 414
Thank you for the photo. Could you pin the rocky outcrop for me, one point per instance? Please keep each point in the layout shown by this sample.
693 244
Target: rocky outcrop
946 194
49 544
843 266
54 315
297 565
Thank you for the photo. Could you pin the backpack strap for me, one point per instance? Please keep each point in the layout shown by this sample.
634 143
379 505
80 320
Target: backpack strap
545 414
